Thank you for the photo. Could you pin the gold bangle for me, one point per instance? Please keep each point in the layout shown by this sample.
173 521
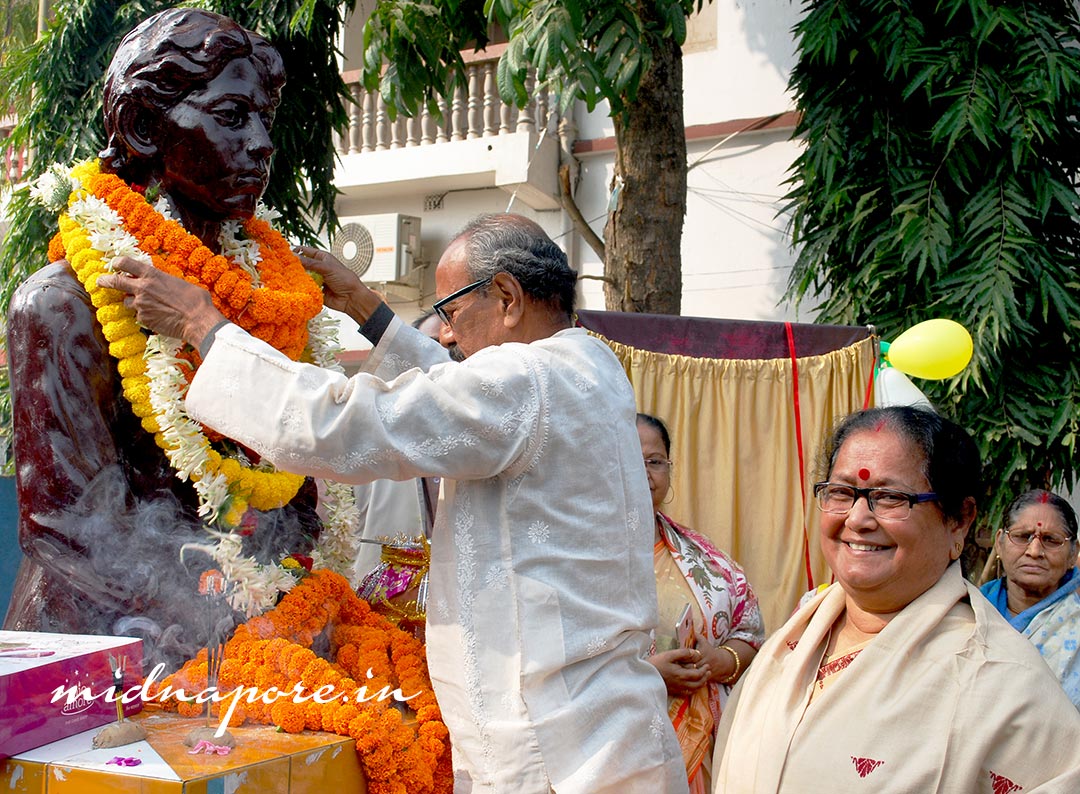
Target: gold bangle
738 665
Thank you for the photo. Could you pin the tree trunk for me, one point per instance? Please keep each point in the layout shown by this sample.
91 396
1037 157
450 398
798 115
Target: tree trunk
644 232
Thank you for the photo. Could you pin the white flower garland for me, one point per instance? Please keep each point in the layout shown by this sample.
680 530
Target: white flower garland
256 586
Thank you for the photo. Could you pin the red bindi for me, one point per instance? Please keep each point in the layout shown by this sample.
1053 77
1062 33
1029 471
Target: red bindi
864 474
1038 523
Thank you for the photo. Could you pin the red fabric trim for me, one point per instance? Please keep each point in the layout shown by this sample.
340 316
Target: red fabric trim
870 382
798 440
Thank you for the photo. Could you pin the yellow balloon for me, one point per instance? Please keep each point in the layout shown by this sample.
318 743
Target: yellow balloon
935 349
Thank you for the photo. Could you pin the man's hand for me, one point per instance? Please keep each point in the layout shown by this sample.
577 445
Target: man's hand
165 304
342 289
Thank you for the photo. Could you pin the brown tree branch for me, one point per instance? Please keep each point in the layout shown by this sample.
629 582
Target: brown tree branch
580 224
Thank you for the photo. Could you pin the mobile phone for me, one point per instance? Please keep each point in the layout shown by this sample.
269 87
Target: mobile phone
684 629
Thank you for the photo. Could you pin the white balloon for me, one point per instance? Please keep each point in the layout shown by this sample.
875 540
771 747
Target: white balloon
892 387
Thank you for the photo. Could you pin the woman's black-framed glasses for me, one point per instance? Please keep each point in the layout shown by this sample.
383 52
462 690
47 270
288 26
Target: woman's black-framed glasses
439 306
883 502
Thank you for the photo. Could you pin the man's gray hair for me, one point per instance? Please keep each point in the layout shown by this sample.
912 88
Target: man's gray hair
518 246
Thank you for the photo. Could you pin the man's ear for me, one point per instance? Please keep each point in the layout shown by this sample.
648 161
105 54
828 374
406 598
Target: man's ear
138 127
511 297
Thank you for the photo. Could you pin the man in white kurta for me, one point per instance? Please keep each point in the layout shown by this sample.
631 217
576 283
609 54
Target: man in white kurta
541 594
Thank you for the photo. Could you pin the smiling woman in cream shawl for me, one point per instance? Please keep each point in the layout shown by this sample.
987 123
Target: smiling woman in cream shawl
900 677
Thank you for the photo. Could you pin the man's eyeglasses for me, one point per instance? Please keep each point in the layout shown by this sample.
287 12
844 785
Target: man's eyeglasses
1021 538
657 465
883 502
439 306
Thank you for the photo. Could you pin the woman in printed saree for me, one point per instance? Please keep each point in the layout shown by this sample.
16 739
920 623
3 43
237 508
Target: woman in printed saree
900 677
710 625
1040 592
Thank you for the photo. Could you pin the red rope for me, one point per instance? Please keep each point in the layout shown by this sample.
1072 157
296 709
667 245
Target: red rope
802 460
870 382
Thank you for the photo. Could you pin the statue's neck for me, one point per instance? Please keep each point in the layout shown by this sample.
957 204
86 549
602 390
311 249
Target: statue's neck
207 230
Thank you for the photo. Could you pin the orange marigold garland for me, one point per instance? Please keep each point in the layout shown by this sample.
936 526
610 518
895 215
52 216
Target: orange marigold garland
273 650
258 283
263 288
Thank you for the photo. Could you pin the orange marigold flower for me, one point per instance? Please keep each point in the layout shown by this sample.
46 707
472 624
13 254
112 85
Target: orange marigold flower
288 716
348 656
229 675
56 248
313 715
428 714
397 756
315 670
189 708
298 662
434 730
343 716
329 713
274 649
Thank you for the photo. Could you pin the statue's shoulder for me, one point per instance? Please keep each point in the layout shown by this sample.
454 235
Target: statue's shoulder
52 301
45 289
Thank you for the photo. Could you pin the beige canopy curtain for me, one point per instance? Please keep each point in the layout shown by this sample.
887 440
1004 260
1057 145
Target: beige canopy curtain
736 477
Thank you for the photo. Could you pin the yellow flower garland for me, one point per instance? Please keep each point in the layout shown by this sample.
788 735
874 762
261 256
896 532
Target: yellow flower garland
260 489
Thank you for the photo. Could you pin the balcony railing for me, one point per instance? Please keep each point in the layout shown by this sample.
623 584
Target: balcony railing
473 112
14 160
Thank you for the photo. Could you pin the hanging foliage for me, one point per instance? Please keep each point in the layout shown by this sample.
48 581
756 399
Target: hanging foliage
622 52
939 179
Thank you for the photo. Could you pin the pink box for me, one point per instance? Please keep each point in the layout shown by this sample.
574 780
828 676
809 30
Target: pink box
33 665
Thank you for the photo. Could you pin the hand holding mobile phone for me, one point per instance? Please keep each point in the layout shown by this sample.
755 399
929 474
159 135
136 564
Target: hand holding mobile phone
684 629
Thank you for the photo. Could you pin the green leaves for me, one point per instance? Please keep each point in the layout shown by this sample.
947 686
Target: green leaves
55 87
590 50
938 180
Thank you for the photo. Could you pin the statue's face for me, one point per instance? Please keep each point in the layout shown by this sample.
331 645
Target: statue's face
215 145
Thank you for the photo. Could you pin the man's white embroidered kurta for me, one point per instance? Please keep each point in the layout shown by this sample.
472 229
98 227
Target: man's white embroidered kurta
541 592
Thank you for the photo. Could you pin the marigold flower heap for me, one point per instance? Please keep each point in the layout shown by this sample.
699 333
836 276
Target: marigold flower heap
273 650
274 300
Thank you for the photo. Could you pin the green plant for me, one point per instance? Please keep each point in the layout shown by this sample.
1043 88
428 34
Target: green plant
939 180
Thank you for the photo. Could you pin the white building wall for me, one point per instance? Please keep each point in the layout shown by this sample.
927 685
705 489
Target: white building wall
736 256
735 246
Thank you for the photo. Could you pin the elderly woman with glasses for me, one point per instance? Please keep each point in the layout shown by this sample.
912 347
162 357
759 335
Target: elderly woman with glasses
900 677
1040 592
710 624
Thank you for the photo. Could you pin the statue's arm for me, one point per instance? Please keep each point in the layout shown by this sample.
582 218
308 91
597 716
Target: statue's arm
66 410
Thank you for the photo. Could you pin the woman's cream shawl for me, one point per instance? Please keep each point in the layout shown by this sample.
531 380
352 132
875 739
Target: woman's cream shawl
947 698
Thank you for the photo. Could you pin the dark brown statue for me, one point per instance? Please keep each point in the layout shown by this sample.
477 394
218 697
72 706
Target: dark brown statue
189 100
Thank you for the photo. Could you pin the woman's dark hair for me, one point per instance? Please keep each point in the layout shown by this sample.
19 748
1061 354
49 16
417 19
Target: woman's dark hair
167 57
518 246
1039 496
950 462
659 427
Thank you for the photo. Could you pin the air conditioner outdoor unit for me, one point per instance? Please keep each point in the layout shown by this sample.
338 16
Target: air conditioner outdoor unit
378 247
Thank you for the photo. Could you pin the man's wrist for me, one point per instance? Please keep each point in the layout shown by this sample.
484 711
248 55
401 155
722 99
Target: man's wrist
201 325
362 304
375 326
209 337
